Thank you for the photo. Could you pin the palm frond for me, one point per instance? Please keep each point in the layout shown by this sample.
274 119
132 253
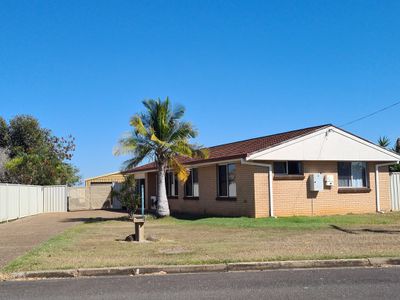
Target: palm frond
126 145
137 124
138 157
178 112
181 148
156 140
203 153
182 130
180 170
384 141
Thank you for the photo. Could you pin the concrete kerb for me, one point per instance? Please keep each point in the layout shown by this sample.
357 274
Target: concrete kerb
228 267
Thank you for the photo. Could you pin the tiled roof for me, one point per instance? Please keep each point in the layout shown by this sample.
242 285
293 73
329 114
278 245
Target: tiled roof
240 149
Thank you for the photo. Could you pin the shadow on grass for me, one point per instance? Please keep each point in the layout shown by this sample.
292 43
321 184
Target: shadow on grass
371 230
191 217
90 220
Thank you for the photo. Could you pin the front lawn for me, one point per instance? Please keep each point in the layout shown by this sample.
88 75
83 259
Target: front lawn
183 240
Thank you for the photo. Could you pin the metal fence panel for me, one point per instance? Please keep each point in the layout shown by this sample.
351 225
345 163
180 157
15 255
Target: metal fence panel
3 203
13 202
17 201
395 190
55 198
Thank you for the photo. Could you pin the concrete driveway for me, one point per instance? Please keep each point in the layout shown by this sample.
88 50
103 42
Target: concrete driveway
19 236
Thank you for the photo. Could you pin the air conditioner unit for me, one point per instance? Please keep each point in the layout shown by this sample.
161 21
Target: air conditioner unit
153 200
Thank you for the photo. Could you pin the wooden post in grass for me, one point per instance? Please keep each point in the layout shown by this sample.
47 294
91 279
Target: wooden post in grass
139 228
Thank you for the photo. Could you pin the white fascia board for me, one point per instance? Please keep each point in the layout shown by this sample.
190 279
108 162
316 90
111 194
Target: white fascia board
327 144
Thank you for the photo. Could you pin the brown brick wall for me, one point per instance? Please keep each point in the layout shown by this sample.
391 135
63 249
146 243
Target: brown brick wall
384 188
247 178
291 197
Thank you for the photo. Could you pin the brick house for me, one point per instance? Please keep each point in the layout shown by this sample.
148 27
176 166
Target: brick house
319 170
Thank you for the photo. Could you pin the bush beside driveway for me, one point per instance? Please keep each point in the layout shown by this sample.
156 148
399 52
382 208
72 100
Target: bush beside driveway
176 241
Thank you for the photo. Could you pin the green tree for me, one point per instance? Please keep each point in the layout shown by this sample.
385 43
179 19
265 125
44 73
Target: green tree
3 133
36 156
397 146
159 134
127 194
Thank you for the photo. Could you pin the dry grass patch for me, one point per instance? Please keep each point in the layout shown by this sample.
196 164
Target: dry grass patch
216 240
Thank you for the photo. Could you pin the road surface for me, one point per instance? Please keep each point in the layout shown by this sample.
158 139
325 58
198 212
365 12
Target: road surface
355 283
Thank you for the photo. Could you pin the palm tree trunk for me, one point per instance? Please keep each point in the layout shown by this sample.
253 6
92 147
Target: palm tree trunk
162 200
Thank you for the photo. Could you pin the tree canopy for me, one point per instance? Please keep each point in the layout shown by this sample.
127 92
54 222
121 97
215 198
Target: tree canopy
34 155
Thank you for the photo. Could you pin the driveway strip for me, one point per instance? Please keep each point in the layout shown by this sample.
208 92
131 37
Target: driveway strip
20 236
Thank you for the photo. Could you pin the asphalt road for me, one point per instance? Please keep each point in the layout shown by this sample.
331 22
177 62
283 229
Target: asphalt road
357 283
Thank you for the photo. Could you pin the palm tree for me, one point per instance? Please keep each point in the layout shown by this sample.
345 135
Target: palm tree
384 141
160 135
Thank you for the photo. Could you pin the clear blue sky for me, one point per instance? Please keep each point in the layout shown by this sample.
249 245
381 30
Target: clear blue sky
241 68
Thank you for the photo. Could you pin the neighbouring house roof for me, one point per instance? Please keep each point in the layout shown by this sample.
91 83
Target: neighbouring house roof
109 177
240 149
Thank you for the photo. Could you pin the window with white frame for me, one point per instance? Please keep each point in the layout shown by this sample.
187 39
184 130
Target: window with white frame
352 174
226 180
288 168
171 182
192 184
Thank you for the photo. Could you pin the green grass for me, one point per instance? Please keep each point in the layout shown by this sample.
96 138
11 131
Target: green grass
65 240
296 222
188 240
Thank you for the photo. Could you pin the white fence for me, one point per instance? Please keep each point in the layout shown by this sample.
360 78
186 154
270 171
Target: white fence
395 190
17 201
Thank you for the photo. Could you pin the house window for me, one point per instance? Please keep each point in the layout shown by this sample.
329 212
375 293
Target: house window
192 184
288 167
227 180
352 174
171 182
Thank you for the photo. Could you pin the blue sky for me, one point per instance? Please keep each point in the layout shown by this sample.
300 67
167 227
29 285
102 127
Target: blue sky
241 68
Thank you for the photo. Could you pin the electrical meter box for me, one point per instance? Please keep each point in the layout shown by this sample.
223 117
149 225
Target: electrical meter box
316 182
329 180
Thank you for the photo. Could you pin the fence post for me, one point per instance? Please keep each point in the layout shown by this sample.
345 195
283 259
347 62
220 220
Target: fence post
7 207
19 203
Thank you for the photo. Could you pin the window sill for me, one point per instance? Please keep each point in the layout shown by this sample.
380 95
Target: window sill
172 197
225 198
353 190
288 177
191 198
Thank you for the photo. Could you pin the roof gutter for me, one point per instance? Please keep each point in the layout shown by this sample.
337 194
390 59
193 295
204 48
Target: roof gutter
377 193
270 193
